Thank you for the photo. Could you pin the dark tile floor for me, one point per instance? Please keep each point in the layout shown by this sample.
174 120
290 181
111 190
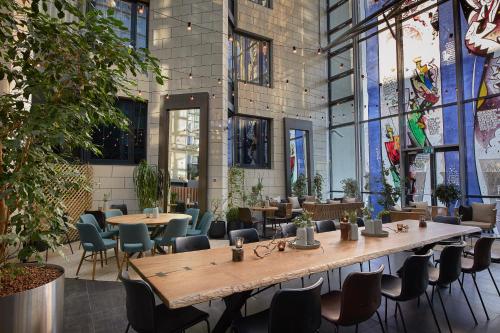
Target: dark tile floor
97 306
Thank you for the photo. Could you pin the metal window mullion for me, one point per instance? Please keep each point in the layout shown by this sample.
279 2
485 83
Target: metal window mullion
401 108
357 96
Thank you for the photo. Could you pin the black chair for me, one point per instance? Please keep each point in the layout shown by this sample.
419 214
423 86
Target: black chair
122 207
245 216
191 243
357 302
288 230
325 226
291 311
480 262
249 236
145 316
448 220
411 285
450 264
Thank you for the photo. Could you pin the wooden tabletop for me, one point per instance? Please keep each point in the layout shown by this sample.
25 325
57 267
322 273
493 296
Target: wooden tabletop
189 278
164 218
264 209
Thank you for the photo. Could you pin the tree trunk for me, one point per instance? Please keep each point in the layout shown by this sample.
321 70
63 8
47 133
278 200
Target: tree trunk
4 212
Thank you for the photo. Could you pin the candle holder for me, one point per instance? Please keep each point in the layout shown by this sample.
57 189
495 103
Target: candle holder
238 254
238 242
423 223
281 245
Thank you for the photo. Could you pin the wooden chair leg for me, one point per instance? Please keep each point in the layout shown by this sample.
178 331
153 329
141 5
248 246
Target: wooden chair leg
102 262
117 259
81 261
94 259
106 257
153 252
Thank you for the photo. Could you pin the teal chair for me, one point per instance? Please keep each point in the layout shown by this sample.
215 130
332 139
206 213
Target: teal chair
134 238
112 213
90 219
204 225
194 212
175 228
92 241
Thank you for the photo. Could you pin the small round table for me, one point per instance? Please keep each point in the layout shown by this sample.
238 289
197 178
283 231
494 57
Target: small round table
264 211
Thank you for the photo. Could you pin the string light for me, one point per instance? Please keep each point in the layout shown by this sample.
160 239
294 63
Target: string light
189 26
230 38
213 96
140 9
190 75
219 81
140 93
267 107
167 96
112 3
319 51
294 49
191 98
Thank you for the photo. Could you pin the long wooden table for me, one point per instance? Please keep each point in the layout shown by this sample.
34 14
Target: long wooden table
194 277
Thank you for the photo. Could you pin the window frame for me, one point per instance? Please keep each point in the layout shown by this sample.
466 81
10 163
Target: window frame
245 36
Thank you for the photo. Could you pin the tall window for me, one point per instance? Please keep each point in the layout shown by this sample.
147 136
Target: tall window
123 147
251 59
133 15
249 141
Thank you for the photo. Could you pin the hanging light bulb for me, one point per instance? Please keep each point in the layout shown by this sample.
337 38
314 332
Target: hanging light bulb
189 26
305 91
190 75
140 93
167 96
267 107
294 49
319 51
140 9
191 98
213 96
112 3
219 81
323 97
230 38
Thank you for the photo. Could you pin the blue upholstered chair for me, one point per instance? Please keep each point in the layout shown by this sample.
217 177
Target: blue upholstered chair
90 219
112 213
194 212
203 226
92 241
134 238
175 228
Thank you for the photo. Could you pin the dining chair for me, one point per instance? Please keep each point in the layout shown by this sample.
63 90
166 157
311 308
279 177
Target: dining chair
122 207
194 213
134 238
175 228
324 226
357 302
480 261
112 213
411 285
289 230
204 225
90 219
249 236
93 242
282 215
448 271
144 315
246 217
191 243
291 310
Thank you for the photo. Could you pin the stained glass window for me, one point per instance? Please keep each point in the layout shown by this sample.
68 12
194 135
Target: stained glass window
252 59
250 142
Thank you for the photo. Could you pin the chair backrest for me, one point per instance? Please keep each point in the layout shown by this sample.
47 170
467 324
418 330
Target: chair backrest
245 215
176 228
99 217
249 236
450 263
89 235
482 253
361 296
446 219
324 226
112 212
206 221
415 276
289 230
191 243
140 303
122 207
194 212
90 219
134 234
151 210
296 310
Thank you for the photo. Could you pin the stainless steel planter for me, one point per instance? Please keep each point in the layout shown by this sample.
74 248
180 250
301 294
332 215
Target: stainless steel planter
37 310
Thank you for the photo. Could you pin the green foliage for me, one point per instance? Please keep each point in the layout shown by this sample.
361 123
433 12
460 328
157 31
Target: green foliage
389 195
367 211
217 207
232 214
318 181
299 187
236 187
383 213
350 187
352 215
64 73
255 198
303 220
447 193
149 184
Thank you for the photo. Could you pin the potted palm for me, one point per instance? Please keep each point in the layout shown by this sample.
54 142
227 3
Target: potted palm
318 181
150 185
447 193
299 187
62 89
351 189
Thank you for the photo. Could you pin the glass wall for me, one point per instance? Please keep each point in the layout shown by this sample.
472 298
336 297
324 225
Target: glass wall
416 97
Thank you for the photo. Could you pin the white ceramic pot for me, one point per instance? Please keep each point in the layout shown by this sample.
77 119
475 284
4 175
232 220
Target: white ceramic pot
156 212
377 227
310 235
354 232
369 226
301 238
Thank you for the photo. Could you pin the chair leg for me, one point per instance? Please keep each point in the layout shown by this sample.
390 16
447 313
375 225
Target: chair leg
128 327
106 257
432 310
94 259
380 322
69 242
467 299
81 261
340 277
401 315
480 296
302 280
494 282
357 328
328 277
369 265
361 266
117 259
208 325
444 310
385 310
102 262
432 294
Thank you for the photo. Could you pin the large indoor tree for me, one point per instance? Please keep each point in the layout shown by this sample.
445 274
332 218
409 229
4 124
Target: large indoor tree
60 71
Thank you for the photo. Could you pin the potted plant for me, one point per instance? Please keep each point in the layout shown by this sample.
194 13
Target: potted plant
350 188
256 197
105 199
384 216
52 98
353 220
233 219
218 226
318 186
299 187
447 193
149 185
305 229
236 197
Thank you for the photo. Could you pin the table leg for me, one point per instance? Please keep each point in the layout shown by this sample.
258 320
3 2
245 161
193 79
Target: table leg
264 224
232 311
156 232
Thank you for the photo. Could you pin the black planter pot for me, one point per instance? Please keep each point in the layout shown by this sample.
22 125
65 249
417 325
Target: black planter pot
217 229
234 225
386 219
